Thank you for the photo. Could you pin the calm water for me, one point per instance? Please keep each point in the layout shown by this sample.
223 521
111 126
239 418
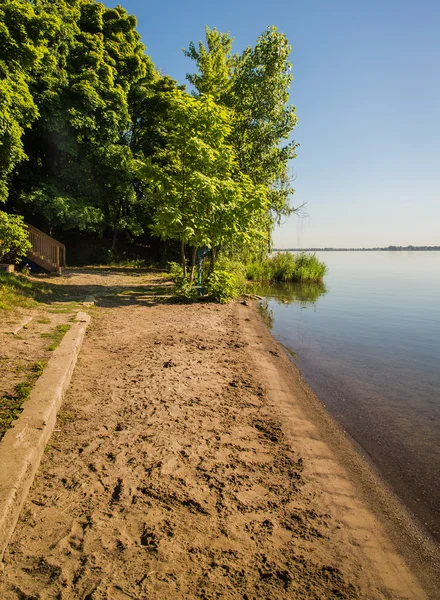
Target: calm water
368 344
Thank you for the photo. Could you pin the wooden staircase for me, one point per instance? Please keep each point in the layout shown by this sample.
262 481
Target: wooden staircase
46 252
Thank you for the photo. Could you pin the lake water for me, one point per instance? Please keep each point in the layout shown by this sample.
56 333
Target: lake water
368 344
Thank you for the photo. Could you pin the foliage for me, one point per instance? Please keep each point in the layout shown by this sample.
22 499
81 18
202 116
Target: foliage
175 271
237 268
309 268
81 172
23 46
224 286
14 241
285 266
200 196
185 291
215 64
255 86
94 140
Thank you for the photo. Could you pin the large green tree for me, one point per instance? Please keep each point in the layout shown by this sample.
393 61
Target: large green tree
80 171
24 35
255 85
200 196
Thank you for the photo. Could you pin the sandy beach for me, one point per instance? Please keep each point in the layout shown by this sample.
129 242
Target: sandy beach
190 460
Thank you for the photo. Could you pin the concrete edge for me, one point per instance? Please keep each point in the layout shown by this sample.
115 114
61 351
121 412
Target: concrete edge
23 445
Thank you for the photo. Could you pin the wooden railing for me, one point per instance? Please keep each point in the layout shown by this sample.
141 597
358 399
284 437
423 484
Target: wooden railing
46 252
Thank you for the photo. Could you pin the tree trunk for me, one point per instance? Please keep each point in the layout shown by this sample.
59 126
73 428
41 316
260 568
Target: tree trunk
193 263
115 234
115 227
182 257
212 263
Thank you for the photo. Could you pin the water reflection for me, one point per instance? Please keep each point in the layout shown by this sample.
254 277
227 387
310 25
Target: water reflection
305 294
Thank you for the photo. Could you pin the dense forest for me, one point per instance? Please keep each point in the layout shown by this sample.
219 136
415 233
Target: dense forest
97 145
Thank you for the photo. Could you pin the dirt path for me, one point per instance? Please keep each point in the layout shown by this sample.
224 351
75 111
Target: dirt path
183 467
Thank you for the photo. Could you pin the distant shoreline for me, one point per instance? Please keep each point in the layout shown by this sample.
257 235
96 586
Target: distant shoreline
388 249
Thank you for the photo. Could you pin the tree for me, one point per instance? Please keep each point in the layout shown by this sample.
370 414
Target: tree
215 64
80 171
14 239
200 196
255 85
23 38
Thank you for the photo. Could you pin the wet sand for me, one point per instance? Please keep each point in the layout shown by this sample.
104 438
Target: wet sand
190 460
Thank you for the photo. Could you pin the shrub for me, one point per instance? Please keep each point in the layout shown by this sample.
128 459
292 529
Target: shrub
14 241
224 285
185 291
175 271
237 268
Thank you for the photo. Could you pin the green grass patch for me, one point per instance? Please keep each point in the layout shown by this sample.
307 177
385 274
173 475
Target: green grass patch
64 308
16 291
11 405
285 266
56 335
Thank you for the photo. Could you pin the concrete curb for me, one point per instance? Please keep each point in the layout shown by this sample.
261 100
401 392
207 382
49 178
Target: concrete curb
23 445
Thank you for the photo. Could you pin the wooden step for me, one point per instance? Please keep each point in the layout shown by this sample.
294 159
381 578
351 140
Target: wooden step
43 263
46 252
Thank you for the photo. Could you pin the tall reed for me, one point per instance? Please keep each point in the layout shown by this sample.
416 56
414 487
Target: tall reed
285 266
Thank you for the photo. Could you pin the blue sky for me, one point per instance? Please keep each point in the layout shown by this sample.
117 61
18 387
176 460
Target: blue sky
367 92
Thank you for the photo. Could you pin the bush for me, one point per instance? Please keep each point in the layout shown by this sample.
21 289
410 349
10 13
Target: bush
14 241
185 291
224 285
175 271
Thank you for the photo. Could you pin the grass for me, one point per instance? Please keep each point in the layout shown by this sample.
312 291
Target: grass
56 335
16 291
11 405
65 416
285 266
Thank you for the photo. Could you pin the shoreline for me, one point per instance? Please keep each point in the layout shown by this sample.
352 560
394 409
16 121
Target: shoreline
215 472
409 537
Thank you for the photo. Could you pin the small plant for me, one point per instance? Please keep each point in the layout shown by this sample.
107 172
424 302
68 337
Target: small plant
38 367
11 405
14 241
185 291
175 271
65 416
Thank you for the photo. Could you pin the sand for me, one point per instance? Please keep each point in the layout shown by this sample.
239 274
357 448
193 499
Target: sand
190 460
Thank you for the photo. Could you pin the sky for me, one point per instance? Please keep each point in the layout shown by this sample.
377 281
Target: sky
367 93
